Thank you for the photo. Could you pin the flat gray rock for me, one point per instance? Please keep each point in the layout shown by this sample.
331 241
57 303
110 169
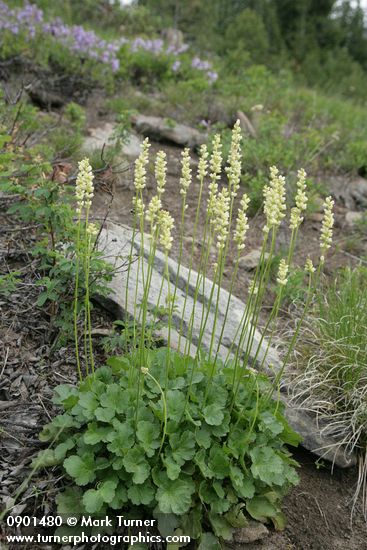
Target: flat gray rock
115 243
162 129
314 439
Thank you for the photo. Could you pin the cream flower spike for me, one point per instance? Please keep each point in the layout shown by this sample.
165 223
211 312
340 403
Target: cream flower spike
140 166
282 272
215 170
166 223
221 217
203 162
241 223
300 200
233 170
326 234
274 200
185 179
152 214
309 267
161 172
84 188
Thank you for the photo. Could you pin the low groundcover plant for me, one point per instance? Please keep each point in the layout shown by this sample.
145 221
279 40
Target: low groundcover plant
186 434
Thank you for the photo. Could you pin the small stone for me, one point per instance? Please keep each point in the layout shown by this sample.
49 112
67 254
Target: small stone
253 532
352 218
316 217
188 240
250 261
163 129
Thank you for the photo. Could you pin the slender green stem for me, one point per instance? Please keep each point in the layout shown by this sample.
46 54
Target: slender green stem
87 303
86 282
233 279
76 301
182 229
168 357
130 259
253 322
191 261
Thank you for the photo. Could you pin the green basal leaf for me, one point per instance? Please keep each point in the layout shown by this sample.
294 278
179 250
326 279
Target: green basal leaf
177 383
221 526
80 468
217 486
183 446
148 435
203 437
62 449
104 374
121 438
136 464
104 415
267 466
223 428
209 496
107 489
89 403
66 395
96 433
175 496
208 541
93 501
242 483
201 460
58 426
114 399
261 509
172 468
176 401
267 421
289 436
236 517
141 494
218 462
213 414
120 498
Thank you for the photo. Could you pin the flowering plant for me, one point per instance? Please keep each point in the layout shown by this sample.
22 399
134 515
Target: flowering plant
187 432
